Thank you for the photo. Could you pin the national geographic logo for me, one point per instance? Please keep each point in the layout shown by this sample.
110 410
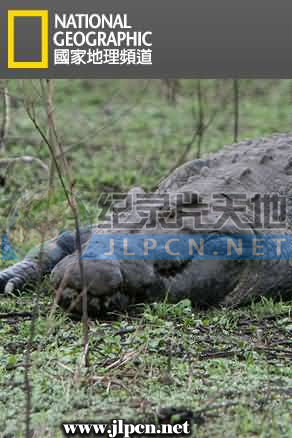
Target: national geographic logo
27 39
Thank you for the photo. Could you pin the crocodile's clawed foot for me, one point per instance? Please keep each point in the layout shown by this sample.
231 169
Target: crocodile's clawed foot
103 283
110 285
16 277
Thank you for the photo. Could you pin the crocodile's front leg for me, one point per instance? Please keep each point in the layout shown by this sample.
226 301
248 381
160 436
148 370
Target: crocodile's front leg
43 259
39 261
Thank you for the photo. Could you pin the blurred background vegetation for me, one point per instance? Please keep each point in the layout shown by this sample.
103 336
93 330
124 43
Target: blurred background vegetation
120 133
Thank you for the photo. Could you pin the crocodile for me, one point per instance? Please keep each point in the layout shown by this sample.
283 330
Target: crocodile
247 170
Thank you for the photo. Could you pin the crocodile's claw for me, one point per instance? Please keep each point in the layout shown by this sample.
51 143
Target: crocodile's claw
17 276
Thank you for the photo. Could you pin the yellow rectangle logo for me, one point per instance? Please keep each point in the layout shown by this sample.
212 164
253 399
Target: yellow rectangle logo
44 16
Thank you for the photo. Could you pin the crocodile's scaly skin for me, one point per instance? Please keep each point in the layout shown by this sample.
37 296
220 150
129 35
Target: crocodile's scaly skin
262 166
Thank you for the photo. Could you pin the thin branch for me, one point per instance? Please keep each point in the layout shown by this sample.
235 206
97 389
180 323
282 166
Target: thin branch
73 206
47 92
236 109
27 381
7 162
5 119
172 87
201 125
30 109
189 144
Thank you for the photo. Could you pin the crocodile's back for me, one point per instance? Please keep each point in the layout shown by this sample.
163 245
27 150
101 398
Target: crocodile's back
259 166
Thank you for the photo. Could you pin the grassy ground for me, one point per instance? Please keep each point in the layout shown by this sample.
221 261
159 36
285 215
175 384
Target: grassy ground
232 369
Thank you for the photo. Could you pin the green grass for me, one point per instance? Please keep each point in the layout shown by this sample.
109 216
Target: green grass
231 368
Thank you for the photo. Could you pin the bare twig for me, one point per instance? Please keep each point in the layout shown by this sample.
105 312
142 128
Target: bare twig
47 93
236 109
201 124
172 87
6 117
27 382
207 123
51 142
122 360
73 206
7 162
